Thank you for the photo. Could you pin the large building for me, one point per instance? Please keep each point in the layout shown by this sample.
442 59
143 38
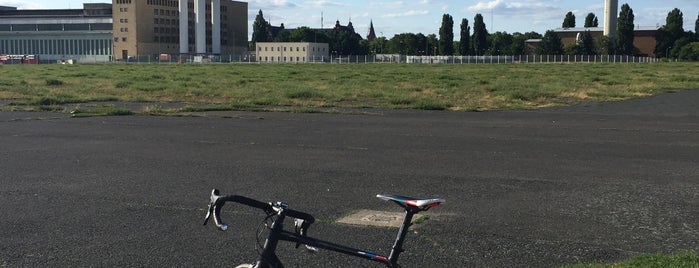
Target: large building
152 27
59 34
126 29
644 38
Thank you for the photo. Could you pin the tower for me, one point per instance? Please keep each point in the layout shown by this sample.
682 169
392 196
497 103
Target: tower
372 34
611 10
200 21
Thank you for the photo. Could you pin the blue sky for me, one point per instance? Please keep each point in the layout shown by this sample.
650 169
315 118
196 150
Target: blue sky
392 17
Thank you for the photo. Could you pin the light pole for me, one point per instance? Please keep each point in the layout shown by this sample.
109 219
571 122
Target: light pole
667 53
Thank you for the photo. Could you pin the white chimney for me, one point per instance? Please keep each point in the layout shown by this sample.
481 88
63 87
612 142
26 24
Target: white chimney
611 10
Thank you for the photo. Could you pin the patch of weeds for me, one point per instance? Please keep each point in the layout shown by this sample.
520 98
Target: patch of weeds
103 111
431 104
122 84
306 110
54 82
151 88
303 94
53 100
265 102
422 219
401 101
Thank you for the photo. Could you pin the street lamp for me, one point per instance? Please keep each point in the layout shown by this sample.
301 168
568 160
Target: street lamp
667 55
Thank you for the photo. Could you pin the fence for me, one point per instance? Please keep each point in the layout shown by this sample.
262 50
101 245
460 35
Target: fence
379 58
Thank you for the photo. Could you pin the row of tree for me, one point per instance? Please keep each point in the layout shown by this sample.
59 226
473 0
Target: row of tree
672 40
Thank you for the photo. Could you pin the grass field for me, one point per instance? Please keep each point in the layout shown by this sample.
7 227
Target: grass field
389 86
679 260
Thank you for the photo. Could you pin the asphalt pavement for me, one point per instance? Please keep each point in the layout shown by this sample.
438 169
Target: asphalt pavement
591 183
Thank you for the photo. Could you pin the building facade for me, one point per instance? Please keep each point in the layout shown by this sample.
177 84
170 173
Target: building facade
126 29
51 35
144 28
292 52
644 41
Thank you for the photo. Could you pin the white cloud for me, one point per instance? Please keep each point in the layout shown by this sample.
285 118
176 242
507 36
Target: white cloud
409 13
271 4
21 4
324 3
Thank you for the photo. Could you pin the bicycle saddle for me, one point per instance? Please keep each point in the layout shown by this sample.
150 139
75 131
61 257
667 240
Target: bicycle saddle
419 203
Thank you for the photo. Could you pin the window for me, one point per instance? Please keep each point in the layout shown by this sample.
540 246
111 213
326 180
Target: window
123 39
155 12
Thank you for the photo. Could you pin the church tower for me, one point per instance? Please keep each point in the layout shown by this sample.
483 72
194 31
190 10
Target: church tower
372 34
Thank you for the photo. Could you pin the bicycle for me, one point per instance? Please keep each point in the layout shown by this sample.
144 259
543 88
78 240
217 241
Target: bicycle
279 211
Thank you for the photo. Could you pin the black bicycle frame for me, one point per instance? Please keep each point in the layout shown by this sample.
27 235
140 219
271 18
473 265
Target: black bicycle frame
269 259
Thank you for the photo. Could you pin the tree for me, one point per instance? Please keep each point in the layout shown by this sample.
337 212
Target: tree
446 36
465 41
259 29
500 44
605 45
670 33
378 45
302 34
591 21
432 44
625 31
690 52
587 44
479 39
550 44
518 39
569 21
404 44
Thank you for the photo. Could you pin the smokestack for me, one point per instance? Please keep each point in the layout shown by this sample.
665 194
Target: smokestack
611 10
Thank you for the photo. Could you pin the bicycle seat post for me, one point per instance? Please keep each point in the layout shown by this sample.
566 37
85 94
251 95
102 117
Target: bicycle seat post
402 232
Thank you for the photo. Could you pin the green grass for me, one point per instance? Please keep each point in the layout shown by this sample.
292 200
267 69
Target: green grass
678 260
313 86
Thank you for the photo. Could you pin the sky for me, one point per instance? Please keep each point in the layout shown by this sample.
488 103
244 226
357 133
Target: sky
391 17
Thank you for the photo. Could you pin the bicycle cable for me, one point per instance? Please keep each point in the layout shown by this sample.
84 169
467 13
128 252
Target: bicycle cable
260 230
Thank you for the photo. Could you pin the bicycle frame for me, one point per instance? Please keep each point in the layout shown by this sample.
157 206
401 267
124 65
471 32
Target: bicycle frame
269 259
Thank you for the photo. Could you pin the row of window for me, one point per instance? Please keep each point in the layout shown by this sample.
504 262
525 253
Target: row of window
291 49
55 27
165 12
279 59
57 47
165 3
124 2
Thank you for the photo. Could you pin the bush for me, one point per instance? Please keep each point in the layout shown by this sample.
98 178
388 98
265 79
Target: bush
690 52
54 82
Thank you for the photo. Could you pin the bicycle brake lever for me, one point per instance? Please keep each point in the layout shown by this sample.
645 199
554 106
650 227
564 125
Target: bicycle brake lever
312 249
214 210
208 213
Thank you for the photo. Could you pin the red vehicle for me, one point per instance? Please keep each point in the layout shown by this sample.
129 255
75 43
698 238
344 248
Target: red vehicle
18 59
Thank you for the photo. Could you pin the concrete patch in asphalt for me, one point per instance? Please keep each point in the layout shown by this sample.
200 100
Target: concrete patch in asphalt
374 218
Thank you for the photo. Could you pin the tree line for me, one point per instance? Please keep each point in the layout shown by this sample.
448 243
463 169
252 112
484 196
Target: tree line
672 40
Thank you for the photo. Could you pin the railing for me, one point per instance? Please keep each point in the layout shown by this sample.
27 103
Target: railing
354 59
